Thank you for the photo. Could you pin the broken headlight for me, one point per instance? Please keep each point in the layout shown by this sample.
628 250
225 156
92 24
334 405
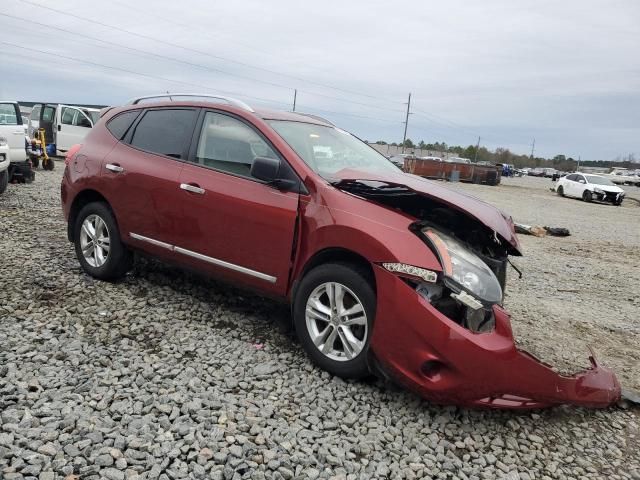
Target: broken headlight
471 280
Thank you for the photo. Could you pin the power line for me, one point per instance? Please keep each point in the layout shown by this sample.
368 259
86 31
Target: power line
217 57
155 77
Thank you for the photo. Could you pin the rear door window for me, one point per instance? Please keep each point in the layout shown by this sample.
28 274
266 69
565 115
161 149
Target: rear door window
47 114
165 131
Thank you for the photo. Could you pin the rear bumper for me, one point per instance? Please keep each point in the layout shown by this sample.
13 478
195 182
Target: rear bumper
446 363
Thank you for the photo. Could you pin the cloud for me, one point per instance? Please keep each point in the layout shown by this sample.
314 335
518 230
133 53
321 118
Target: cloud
566 73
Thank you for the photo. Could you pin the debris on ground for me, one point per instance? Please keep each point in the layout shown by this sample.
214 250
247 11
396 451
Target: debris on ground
541 231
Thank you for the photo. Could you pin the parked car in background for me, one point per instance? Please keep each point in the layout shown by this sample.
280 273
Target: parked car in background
4 164
12 130
64 125
623 176
384 271
589 188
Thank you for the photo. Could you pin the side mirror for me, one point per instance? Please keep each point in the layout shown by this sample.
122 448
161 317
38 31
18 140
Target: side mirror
582 181
276 174
265 169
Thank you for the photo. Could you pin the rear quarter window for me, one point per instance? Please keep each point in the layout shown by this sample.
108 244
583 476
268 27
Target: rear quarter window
119 125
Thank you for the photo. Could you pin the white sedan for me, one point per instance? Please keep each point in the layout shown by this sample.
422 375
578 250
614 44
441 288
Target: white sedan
589 188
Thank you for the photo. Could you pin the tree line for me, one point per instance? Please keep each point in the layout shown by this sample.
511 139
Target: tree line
504 155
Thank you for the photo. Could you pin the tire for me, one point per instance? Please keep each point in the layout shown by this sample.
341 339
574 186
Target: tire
560 191
49 164
4 180
108 263
587 196
344 358
35 161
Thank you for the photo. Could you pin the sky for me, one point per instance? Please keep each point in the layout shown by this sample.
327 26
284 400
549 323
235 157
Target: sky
565 73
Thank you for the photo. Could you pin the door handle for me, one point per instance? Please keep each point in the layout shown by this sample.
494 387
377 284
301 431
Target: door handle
59 128
192 188
114 168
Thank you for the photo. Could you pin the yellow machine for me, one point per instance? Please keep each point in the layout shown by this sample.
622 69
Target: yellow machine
38 151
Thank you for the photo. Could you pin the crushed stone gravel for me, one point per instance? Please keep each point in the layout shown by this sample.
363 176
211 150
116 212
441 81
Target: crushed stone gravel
166 375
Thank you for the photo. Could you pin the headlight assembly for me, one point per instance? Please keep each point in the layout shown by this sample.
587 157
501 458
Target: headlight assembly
464 272
3 142
598 190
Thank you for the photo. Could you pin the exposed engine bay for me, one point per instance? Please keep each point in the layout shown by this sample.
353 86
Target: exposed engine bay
450 298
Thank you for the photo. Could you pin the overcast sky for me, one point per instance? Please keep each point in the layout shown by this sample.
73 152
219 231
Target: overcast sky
566 73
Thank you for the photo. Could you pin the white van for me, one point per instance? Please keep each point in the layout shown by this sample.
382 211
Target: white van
64 125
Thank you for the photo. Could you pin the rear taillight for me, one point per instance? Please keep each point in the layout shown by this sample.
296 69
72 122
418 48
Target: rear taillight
71 153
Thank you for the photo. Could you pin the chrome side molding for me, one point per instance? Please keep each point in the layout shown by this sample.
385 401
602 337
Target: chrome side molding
205 258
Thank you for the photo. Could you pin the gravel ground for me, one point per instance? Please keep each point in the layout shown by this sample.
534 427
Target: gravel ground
167 375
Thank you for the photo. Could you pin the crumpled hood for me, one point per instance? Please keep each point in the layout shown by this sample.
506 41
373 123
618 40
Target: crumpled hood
609 188
487 214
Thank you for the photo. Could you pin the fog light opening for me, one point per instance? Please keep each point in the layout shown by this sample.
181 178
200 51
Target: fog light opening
431 369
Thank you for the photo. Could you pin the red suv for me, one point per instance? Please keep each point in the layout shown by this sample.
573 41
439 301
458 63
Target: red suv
386 272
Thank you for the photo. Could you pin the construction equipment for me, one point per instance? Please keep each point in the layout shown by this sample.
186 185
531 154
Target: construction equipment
38 151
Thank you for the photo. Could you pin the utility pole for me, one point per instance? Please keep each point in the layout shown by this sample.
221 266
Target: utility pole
406 123
578 167
533 148
295 94
475 157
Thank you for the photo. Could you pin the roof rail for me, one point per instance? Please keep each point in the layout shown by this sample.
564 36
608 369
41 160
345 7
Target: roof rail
315 117
176 97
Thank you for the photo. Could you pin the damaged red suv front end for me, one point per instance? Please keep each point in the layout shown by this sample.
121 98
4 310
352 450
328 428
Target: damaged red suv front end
447 363
440 326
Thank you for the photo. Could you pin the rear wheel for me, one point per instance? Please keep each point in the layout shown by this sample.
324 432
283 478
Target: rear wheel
587 196
97 240
48 164
4 180
333 314
560 191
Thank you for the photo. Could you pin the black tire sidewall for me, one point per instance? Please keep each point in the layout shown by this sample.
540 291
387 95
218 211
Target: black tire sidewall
356 279
119 259
4 180
587 196
560 191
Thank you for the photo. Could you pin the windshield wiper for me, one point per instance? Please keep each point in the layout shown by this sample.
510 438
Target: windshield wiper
373 188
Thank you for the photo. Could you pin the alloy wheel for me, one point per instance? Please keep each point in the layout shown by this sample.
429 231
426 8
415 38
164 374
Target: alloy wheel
95 241
336 321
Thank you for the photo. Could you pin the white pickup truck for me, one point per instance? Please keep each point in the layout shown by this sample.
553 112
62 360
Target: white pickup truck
4 164
13 134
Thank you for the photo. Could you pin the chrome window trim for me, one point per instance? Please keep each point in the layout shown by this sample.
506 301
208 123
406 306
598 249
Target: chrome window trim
152 241
205 258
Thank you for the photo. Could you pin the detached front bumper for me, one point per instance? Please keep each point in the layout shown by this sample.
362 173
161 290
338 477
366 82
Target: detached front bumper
446 363
613 197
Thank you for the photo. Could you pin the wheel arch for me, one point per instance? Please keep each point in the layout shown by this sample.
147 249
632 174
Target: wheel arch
81 199
333 255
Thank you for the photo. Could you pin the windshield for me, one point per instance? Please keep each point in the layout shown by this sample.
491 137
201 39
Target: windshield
594 179
328 149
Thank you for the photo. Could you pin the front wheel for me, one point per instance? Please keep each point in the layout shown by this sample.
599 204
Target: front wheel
48 164
587 196
97 240
560 191
333 312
